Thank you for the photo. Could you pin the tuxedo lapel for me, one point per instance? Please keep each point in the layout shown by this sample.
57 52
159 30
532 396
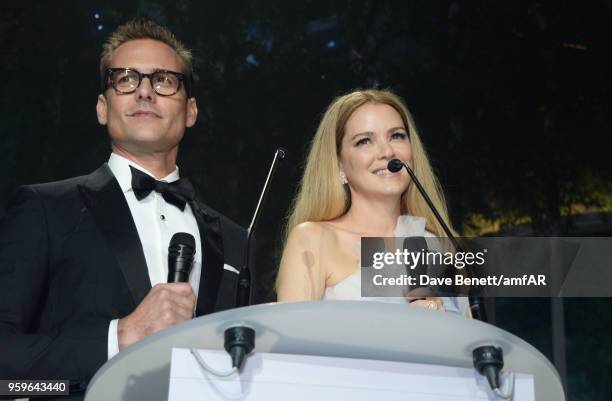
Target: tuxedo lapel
212 258
106 203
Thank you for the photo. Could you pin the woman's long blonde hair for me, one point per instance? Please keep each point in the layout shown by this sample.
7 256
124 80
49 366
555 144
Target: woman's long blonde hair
321 195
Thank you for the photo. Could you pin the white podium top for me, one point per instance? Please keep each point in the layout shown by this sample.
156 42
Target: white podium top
351 329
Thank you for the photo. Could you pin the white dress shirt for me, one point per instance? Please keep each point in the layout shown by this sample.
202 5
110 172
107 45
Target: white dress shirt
156 222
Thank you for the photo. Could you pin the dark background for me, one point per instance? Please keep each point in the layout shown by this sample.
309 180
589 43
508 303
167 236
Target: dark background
512 99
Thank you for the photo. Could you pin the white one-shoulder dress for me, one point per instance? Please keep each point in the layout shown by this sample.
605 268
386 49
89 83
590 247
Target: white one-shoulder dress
350 287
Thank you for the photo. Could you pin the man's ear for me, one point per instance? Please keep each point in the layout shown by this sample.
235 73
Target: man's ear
101 110
192 112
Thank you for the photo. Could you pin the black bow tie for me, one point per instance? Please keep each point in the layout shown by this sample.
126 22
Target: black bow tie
177 193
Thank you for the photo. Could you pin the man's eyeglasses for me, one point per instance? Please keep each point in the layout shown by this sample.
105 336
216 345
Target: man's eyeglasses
164 83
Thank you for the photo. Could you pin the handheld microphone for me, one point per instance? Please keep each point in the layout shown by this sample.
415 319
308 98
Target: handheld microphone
243 294
395 165
180 257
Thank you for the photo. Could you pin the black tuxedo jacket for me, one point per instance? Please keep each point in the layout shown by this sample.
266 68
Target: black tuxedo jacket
71 261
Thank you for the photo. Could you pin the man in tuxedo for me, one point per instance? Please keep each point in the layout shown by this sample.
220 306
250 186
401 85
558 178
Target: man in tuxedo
83 262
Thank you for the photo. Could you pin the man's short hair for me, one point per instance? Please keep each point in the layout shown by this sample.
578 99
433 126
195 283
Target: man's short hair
144 29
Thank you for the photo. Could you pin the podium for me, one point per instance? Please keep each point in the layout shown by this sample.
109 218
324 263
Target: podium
348 329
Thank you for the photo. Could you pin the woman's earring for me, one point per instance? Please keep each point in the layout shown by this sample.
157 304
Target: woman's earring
343 179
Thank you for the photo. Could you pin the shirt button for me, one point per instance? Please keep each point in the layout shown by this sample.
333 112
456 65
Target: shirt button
162 217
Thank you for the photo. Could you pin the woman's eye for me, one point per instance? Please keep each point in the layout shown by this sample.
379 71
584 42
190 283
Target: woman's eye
362 141
399 135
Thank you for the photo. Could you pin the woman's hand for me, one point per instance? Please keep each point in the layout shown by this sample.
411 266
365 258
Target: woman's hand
429 303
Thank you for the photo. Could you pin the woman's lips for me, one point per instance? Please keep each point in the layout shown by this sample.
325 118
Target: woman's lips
385 173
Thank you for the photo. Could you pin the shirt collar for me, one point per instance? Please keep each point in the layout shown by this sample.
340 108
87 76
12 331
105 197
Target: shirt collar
120 166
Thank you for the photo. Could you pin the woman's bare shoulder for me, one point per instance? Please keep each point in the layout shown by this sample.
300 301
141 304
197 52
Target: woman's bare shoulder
310 230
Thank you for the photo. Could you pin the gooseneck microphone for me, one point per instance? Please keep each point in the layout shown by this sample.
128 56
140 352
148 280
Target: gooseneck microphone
239 341
243 294
180 257
395 165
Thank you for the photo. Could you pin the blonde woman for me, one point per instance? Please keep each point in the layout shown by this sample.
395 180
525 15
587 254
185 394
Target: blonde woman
347 193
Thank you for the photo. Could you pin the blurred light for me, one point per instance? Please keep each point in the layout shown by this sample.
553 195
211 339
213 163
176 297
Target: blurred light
252 60
100 27
331 44
575 46
97 16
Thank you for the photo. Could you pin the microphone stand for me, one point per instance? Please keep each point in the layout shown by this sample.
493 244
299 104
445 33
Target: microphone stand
476 302
243 293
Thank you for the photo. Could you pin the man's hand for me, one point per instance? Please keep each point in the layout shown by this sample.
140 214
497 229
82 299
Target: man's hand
164 306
